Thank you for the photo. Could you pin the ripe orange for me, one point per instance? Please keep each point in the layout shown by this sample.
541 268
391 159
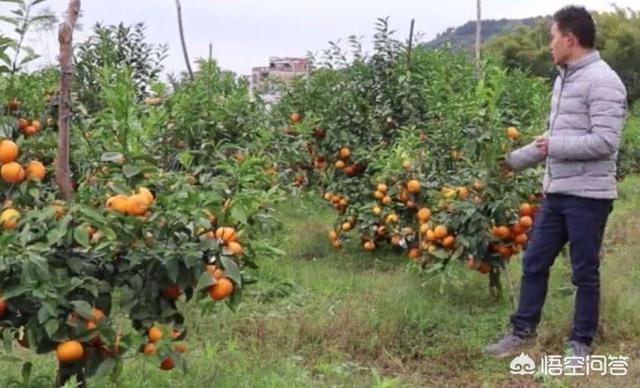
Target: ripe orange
36 124
97 314
463 193
376 210
345 152
12 173
59 210
440 232
148 196
526 222
154 334
413 186
346 226
235 248
226 234
333 235
526 209
369 246
501 232
381 231
512 133
404 196
387 200
29 130
118 203
137 205
430 235
505 251
8 151
222 289
448 242
180 348
424 228
392 218
167 364
35 170
423 215
337 244
149 349
23 123
218 274
382 187
484 268
379 195
414 253
9 218
520 239
171 292
395 240
295 118
328 196
517 229
69 351
340 165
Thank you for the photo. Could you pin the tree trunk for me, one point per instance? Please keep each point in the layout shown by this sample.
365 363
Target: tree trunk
478 37
184 43
65 38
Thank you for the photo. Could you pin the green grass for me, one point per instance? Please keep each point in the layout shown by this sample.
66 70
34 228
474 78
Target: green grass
321 318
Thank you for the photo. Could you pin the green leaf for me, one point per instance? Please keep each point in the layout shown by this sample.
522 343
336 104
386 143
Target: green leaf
238 214
231 270
185 159
9 20
43 314
51 327
26 371
173 269
81 235
106 367
34 192
15 292
205 281
130 171
82 308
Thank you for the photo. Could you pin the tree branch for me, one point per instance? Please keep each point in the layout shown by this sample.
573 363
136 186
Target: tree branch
184 44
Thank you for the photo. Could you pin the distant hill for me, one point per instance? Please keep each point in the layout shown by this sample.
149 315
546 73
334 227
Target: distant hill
464 37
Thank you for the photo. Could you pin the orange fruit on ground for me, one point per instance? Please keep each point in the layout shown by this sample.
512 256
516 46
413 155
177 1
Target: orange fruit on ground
171 292
440 232
295 118
448 242
512 133
9 218
235 248
526 222
382 187
346 226
345 152
147 195
12 173
3 307
423 215
413 186
221 290
137 205
167 364
8 151
340 165
333 235
501 232
180 348
69 351
150 349
118 203
154 334
35 170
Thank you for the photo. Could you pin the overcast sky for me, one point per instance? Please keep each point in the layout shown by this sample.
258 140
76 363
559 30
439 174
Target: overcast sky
244 33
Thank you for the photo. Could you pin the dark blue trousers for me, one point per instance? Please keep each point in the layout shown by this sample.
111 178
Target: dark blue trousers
581 223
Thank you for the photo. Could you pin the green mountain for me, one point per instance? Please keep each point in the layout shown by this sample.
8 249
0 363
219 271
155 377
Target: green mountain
464 37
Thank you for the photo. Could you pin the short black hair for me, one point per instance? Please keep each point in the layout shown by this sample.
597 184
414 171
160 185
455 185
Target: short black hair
579 22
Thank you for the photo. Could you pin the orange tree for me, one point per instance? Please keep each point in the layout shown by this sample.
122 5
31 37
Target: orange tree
141 233
410 148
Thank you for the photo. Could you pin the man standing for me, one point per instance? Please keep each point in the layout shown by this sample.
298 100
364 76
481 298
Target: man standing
580 148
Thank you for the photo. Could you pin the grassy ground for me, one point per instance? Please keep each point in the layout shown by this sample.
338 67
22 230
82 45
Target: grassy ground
325 318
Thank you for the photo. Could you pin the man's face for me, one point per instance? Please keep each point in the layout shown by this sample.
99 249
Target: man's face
561 45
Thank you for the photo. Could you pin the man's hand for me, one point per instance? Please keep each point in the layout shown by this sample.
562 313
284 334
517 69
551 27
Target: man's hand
505 170
543 145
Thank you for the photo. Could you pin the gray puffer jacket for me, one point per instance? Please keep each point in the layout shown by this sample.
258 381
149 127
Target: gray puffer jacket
588 110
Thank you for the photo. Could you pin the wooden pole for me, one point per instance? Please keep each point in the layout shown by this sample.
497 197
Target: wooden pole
413 21
65 38
478 36
184 43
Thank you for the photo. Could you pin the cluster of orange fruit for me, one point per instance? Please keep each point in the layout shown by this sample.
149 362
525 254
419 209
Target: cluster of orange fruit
154 335
338 202
512 237
72 351
350 170
29 128
135 205
223 288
